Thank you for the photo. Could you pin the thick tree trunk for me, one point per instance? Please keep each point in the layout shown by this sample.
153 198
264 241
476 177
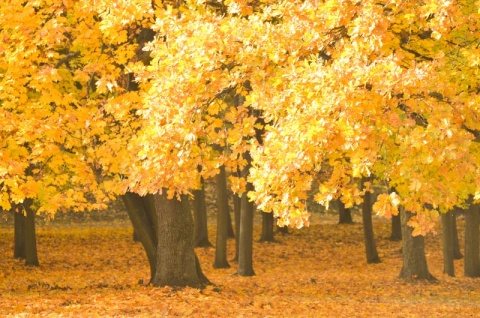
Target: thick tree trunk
141 214
457 253
414 260
268 224
447 243
344 214
370 248
396 228
177 264
245 255
472 257
200 217
31 257
223 212
19 235
237 202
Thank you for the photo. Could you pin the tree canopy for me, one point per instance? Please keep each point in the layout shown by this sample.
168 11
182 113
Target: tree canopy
101 97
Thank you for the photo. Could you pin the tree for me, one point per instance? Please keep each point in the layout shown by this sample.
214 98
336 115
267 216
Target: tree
447 243
268 225
344 214
200 217
472 238
414 260
370 248
223 211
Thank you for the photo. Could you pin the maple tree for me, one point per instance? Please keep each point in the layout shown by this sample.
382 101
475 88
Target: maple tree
339 89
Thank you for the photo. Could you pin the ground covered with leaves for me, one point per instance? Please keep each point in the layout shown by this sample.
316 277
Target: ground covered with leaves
96 269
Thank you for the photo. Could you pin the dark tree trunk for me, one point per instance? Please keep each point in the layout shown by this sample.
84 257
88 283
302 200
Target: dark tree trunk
31 257
230 231
344 214
223 212
370 248
414 260
245 255
141 214
457 254
236 211
177 264
200 217
282 230
396 228
447 243
268 223
472 257
19 235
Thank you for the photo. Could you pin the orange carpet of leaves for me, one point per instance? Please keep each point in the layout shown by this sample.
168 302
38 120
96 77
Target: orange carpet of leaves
97 271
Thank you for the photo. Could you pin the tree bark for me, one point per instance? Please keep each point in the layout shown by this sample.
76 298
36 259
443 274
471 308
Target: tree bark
414 259
457 253
223 212
141 215
396 228
245 255
472 257
447 243
177 264
370 248
200 217
19 235
344 214
31 256
268 224
236 211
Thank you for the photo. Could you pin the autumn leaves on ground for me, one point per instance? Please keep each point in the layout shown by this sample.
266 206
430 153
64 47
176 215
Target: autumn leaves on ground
96 269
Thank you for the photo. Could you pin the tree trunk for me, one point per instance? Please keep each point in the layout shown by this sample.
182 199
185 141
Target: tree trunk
472 258
414 260
344 214
236 211
268 223
370 248
447 243
282 230
177 264
200 217
19 235
245 255
223 212
396 228
141 214
230 231
457 254
31 257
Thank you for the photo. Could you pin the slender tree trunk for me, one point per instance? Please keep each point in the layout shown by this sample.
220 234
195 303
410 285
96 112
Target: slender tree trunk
268 224
447 243
344 214
141 215
31 257
396 228
414 260
245 255
457 254
200 217
177 264
370 248
472 257
223 212
19 235
236 211
230 231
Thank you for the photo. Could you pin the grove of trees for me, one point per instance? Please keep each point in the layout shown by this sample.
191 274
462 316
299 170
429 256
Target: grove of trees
146 99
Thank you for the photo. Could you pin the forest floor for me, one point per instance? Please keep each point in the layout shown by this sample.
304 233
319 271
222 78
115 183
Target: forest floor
93 268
